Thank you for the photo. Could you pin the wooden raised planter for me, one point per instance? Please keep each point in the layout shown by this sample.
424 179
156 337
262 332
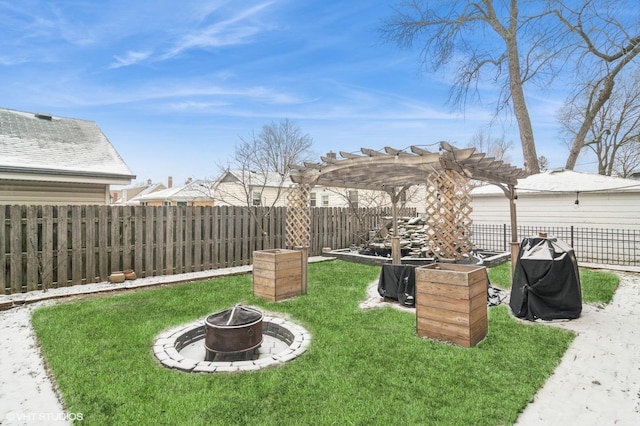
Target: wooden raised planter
451 303
277 274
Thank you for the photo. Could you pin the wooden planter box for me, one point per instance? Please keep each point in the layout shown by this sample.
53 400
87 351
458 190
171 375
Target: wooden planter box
451 303
277 274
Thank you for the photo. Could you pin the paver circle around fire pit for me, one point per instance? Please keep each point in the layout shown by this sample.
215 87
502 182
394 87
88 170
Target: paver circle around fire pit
183 347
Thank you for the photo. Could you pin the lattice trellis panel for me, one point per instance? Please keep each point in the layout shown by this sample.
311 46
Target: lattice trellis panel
449 214
298 227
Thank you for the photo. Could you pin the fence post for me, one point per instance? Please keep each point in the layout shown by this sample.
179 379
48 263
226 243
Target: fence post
504 237
571 235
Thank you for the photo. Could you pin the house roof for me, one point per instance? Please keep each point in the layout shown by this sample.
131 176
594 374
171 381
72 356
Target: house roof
196 190
42 144
128 194
565 181
258 179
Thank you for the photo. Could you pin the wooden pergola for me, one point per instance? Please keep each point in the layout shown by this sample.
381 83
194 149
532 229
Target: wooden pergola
446 173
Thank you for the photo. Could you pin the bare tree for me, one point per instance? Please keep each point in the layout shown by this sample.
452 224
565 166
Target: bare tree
608 40
627 160
484 38
497 148
513 43
544 163
614 131
258 175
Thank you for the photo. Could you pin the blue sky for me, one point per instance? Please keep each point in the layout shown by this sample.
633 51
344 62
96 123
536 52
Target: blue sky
175 84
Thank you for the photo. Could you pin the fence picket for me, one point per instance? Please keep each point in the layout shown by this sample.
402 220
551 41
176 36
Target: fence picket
103 241
46 254
159 241
148 242
77 244
62 277
90 241
188 240
138 233
117 241
32 248
197 239
206 240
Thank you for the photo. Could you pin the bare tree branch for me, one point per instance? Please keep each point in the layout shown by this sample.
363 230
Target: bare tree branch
258 175
614 128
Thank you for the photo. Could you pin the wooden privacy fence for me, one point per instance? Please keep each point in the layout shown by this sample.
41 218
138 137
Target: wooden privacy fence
56 246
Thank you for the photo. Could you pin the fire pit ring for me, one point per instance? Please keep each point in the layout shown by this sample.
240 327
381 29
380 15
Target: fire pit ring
232 331
182 347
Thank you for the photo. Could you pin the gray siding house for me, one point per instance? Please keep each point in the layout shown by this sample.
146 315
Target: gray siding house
46 159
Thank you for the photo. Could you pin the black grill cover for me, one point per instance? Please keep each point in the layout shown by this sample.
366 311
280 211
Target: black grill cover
398 282
546 281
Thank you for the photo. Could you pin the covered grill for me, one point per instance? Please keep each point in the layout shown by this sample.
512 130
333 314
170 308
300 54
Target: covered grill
234 331
546 281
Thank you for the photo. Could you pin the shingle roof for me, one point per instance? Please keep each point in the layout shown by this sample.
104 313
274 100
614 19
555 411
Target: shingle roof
41 143
258 179
196 190
560 181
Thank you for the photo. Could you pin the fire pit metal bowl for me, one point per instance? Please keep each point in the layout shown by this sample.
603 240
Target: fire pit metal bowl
236 330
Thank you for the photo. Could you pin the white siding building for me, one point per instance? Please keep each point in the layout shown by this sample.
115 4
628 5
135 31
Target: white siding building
562 198
261 190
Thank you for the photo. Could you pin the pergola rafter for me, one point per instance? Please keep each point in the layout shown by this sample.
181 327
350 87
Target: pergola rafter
394 171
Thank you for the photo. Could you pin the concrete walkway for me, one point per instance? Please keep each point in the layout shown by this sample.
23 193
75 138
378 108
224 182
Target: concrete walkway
598 380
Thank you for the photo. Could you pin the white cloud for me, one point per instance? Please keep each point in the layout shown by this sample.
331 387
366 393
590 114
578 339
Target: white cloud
235 30
130 58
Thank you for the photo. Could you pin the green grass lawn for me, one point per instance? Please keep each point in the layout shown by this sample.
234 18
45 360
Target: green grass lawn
597 287
363 367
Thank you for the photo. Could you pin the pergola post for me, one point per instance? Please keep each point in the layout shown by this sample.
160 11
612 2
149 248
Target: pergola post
298 225
396 255
515 244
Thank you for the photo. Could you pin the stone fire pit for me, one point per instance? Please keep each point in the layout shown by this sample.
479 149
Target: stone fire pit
234 331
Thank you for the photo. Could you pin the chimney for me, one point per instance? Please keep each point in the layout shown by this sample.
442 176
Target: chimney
170 182
331 154
115 197
149 181
188 181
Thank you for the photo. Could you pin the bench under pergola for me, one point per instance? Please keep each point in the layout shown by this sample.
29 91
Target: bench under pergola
446 174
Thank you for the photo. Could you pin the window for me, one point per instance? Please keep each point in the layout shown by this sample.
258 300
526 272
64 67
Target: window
325 201
353 199
256 200
166 203
181 204
313 201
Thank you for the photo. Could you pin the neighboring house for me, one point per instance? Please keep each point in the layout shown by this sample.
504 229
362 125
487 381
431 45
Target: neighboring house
128 195
46 159
258 190
563 198
262 190
193 193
